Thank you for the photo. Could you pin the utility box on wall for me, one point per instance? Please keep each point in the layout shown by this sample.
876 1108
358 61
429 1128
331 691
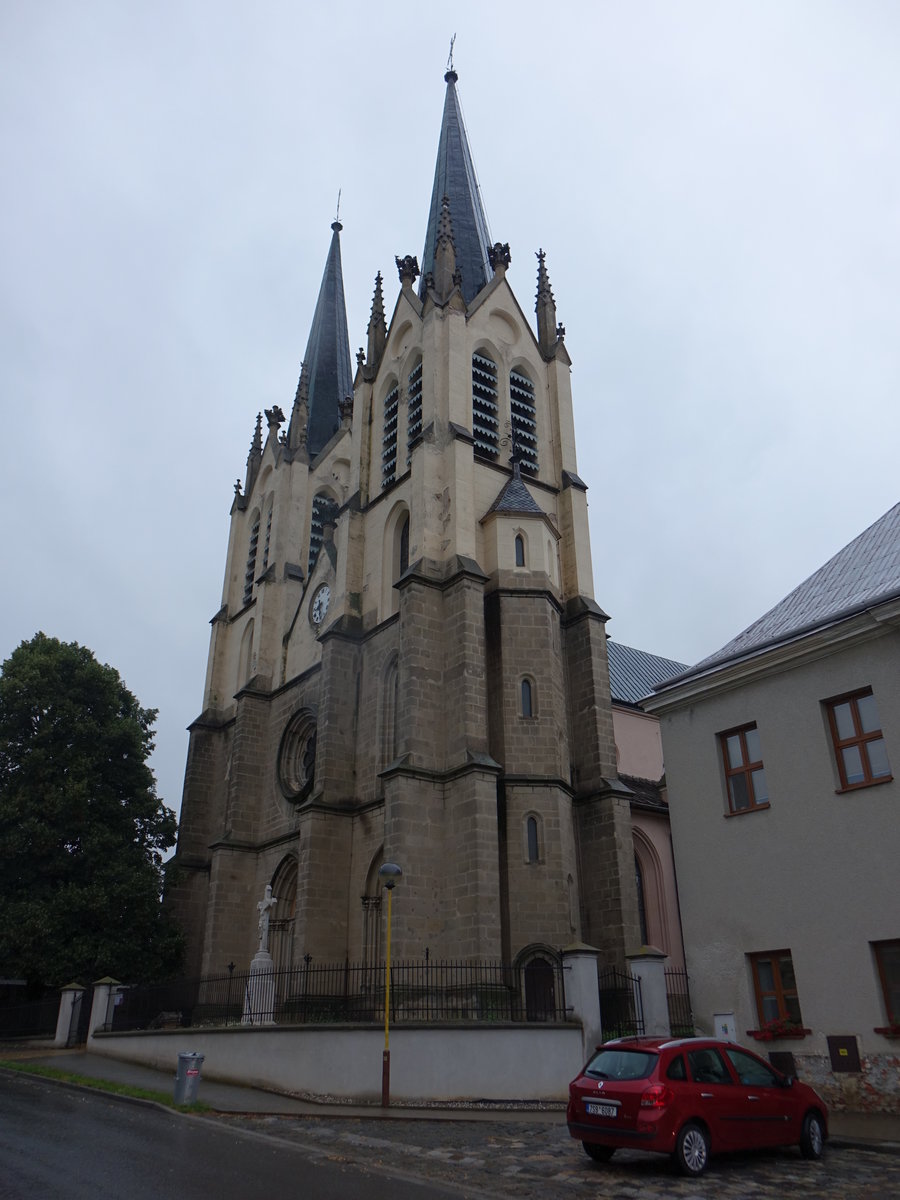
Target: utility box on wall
725 1026
844 1053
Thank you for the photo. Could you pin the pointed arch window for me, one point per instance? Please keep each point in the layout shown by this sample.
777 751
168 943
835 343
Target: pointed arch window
245 659
389 437
524 420
531 838
324 512
390 697
404 544
485 409
250 572
642 905
414 410
520 550
371 919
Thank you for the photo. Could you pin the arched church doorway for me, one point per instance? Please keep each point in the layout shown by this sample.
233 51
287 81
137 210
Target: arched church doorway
281 927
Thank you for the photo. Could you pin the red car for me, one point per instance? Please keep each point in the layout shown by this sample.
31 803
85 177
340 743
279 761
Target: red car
690 1098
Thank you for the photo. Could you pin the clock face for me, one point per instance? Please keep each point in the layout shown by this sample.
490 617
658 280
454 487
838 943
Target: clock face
320 604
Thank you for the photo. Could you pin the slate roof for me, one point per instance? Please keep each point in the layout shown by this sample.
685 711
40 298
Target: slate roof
328 352
454 177
865 573
647 793
515 497
634 674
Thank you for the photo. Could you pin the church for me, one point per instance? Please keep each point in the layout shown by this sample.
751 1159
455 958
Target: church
409 664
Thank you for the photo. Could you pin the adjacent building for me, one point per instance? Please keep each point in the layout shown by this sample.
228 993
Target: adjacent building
639 755
780 751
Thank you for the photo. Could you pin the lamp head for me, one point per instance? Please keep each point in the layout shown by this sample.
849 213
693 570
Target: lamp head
389 874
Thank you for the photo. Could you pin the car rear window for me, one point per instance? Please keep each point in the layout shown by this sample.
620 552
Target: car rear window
676 1069
621 1064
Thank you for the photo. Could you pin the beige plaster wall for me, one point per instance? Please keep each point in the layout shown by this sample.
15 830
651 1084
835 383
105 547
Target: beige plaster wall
815 873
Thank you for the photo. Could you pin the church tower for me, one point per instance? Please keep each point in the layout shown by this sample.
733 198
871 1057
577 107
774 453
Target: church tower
409 664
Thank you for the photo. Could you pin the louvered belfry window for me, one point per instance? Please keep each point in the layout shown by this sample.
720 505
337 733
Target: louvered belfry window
324 512
485 422
389 438
524 420
265 561
414 409
250 573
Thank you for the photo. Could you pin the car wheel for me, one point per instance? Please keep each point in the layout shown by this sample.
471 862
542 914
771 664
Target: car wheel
812 1136
598 1153
692 1149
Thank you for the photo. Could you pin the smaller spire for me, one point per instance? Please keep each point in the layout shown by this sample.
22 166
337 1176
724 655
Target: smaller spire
545 307
296 435
445 277
254 458
377 330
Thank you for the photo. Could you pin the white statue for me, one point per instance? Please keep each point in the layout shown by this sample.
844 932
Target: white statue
265 906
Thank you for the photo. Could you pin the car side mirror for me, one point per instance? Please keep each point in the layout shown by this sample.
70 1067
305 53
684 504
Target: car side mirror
787 1081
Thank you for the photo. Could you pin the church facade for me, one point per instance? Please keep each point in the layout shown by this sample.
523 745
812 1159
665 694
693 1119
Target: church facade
409 664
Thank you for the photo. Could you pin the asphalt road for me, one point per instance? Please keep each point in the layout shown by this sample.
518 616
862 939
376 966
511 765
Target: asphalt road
61 1143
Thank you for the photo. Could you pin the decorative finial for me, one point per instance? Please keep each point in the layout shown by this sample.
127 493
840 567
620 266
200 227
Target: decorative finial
407 268
516 454
450 76
499 256
237 487
274 417
336 223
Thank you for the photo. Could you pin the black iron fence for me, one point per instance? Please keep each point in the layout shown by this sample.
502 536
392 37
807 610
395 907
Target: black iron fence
678 995
350 992
621 1007
33 1018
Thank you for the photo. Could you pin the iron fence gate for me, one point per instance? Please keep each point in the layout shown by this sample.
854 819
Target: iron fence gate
621 1006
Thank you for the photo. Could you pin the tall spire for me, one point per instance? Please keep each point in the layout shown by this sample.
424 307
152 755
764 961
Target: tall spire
454 178
328 352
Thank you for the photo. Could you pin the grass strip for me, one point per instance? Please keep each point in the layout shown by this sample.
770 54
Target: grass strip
101 1085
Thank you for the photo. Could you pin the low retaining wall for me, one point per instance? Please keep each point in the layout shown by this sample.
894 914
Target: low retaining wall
452 1062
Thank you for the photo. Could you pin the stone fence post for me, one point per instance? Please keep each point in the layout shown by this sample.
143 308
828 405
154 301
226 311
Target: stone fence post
649 966
69 1000
583 993
101 1010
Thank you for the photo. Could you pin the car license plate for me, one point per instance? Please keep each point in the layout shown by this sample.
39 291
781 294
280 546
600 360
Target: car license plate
602 1110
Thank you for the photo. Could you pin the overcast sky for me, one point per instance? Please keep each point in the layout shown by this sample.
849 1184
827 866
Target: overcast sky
717 188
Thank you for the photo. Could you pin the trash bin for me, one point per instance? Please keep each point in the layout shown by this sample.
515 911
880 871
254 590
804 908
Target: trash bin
187 1077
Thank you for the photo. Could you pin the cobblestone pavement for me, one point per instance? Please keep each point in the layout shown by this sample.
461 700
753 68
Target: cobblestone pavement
527 1160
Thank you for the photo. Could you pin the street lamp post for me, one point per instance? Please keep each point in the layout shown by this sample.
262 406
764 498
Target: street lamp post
388 873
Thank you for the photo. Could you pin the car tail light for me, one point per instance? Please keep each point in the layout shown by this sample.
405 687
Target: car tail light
657 1096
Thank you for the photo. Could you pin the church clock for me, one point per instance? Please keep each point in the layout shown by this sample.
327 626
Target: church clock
319 606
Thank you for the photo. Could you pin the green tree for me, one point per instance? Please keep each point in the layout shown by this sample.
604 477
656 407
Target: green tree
82 831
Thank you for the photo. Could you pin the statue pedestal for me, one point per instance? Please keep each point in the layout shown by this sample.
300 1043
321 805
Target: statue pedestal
259 997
